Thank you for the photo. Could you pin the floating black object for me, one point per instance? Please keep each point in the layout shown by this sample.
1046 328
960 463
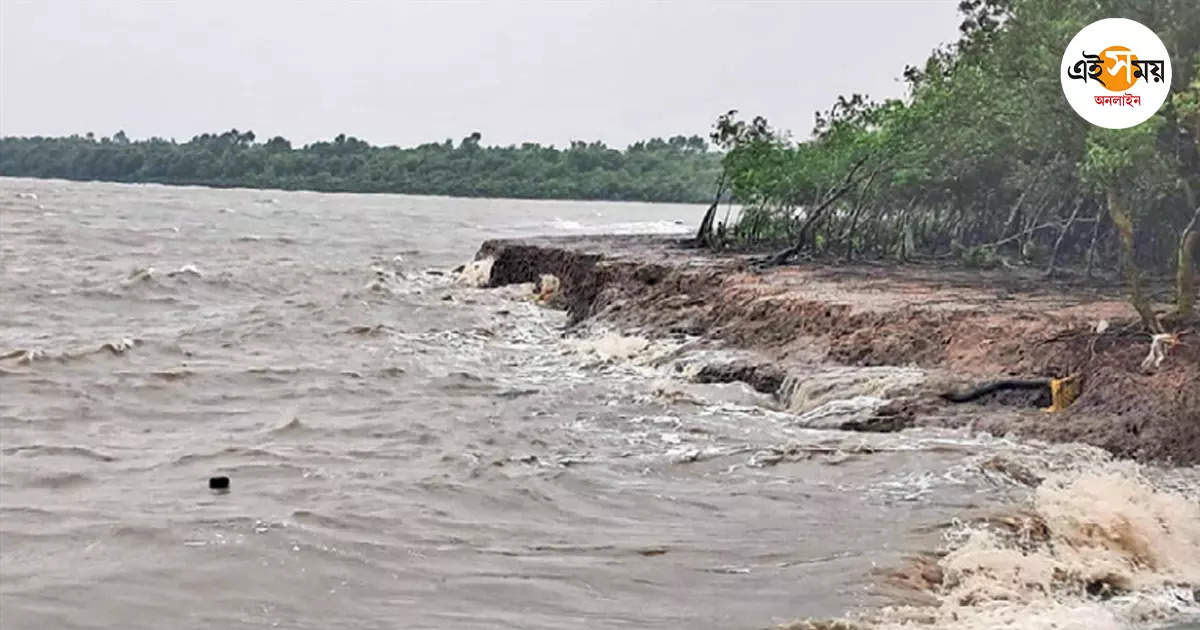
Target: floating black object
218 483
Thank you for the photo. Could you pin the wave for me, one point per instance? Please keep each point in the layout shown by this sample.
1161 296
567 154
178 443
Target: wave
1100 547
139 275
232 452
149 277
363 329
292 426
24 356
146 275
119 346
172 375
186 271
621 227
55 450
60 481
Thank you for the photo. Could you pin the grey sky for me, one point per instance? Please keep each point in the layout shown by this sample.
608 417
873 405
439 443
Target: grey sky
407 72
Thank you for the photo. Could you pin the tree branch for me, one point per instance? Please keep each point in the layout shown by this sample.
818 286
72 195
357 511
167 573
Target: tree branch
1062 235
848 182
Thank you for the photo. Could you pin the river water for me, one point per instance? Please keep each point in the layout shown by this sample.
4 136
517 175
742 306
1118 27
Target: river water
408 451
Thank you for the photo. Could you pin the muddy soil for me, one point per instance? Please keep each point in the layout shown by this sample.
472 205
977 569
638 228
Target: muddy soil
965 326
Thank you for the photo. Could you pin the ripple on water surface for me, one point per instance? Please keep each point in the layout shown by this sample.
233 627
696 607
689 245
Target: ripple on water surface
406 448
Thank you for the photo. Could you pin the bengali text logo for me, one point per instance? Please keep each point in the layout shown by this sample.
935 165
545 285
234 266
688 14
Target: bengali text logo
1116 73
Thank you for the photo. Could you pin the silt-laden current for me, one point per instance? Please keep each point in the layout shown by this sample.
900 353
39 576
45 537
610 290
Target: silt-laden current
408 451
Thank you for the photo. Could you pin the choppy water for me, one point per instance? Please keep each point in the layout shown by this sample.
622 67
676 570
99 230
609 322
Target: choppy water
407 451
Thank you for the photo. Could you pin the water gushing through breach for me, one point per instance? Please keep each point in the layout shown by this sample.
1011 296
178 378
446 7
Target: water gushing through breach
827 396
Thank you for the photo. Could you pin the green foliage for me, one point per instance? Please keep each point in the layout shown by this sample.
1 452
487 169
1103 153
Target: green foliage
677 169
984 159
979 257
1187 104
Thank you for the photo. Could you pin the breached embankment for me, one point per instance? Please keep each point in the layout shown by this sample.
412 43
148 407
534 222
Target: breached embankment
960 326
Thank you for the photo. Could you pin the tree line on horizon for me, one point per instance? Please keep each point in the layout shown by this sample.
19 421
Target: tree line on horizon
676 169
984 161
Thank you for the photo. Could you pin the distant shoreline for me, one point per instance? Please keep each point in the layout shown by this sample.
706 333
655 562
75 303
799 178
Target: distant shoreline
65 180
677 170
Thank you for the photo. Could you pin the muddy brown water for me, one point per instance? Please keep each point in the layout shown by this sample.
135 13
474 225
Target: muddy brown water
404 450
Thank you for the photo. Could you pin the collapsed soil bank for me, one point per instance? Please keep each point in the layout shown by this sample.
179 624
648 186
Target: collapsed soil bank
962 325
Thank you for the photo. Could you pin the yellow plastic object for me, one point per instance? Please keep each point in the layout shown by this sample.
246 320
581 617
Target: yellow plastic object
1063 392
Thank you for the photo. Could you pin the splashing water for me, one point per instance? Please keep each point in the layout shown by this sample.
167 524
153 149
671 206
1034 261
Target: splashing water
1096 547
477 273
612 346
464 460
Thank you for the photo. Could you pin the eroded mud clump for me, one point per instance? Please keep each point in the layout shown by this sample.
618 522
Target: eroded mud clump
767 378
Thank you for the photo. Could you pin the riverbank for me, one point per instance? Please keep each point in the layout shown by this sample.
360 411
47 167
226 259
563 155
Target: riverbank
678 169
959 327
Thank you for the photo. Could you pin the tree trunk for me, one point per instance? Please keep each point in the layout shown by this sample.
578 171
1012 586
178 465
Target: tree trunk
1120 218
1030 231
1061 235
704 234
1185 285
1091 252
1016 209
859 204
1185 272
848 237
848 182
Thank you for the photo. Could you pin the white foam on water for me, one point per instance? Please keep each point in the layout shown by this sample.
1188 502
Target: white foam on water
562 224
623 227
477 273
186 270
546 286
119 346
611 346
1101 547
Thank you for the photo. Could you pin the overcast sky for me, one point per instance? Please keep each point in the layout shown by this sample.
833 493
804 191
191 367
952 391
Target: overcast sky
396 72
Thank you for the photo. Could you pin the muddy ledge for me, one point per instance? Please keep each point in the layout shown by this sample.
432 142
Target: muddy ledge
961 325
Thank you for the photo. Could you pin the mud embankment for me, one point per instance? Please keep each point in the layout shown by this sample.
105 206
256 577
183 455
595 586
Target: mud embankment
962 326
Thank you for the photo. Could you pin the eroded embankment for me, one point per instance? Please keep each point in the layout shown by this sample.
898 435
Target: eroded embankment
963 326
